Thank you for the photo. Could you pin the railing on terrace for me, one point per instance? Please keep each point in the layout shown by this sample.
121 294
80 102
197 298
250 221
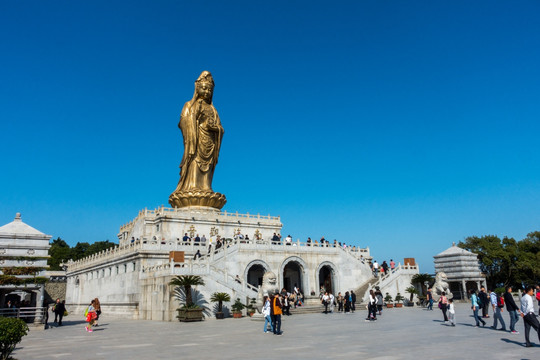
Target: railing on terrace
28 314
191 246
198 268
167 210
394 273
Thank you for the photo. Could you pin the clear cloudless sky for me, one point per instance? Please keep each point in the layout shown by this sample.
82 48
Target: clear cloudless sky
399 125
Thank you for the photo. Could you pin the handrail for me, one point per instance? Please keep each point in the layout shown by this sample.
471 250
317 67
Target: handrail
191 246
25 312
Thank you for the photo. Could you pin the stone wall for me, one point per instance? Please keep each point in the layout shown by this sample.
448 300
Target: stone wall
55 290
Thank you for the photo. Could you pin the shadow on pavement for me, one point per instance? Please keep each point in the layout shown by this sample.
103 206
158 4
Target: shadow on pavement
66 323
513 342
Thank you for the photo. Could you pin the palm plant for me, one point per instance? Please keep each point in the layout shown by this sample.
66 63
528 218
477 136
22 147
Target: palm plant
186 282
220 298
411 290
422 279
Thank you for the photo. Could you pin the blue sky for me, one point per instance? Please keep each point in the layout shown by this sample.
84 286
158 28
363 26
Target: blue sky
402 126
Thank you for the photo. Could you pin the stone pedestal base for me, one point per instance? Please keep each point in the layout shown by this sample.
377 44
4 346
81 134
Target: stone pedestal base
196 198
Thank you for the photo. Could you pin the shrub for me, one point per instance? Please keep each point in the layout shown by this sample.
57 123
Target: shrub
12 331
237 306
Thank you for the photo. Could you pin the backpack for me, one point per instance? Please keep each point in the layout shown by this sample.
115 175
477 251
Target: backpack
538 295
479 300
500 301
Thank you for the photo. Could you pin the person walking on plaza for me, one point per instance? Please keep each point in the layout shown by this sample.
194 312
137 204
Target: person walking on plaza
275 313
512 309
497 304
90 316
443 305
340 302
347 300
538 297
97 306
266 313
325 301
380 301
451 312
353 301
58 310
484 302
429 297
372 307
528 315
475 308
332 301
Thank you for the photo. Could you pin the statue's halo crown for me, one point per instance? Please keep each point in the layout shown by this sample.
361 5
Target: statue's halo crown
205 77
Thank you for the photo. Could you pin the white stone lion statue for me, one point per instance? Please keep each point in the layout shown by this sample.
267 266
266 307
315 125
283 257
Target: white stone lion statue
269 286
441 284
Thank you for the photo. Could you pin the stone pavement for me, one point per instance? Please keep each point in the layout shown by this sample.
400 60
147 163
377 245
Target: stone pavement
405 333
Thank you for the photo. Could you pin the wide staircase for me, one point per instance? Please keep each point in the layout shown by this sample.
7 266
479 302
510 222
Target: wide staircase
317 308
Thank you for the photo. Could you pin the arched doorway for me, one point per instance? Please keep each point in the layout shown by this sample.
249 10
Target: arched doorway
292 275
255 274
326 278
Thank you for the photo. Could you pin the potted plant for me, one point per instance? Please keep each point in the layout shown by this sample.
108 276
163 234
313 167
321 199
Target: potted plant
388 300
220 298
411 290
189 311
237 308
251 307
398 300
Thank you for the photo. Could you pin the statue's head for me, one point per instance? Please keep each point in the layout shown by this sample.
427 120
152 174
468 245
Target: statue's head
269 278
204 87
441 276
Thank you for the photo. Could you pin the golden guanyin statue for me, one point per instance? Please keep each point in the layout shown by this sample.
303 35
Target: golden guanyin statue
202 132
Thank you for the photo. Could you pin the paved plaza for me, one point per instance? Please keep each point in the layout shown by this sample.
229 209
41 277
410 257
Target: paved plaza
406 333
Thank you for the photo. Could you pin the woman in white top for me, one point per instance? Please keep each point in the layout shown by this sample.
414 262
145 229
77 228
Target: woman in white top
266 314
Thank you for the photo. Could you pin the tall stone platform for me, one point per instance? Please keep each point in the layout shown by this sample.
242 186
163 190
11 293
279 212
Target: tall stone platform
167 224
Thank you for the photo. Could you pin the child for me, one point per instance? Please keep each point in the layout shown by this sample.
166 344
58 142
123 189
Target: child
451 312
90 316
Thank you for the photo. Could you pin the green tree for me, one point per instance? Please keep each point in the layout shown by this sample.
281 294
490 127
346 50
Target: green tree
528 258
421 279
59 252
507 261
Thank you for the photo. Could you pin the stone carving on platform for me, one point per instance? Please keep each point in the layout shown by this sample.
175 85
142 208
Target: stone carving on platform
269 287
202 132
440 285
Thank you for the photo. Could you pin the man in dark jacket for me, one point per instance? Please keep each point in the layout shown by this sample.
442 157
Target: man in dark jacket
59 309
485 301
512 309
353 301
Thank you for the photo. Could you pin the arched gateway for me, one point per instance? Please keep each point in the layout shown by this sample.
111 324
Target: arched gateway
293 272
255 271
326 275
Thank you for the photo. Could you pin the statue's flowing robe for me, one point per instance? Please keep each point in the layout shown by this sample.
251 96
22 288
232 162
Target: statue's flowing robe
201 146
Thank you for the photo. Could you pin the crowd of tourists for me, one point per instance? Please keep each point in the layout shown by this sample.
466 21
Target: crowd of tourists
482 301
382 269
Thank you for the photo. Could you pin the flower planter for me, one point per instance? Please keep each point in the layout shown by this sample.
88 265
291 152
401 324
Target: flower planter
220 315
389 305
237 315
399 305
190 315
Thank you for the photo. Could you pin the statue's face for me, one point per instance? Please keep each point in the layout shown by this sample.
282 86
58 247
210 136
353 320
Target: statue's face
205 91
